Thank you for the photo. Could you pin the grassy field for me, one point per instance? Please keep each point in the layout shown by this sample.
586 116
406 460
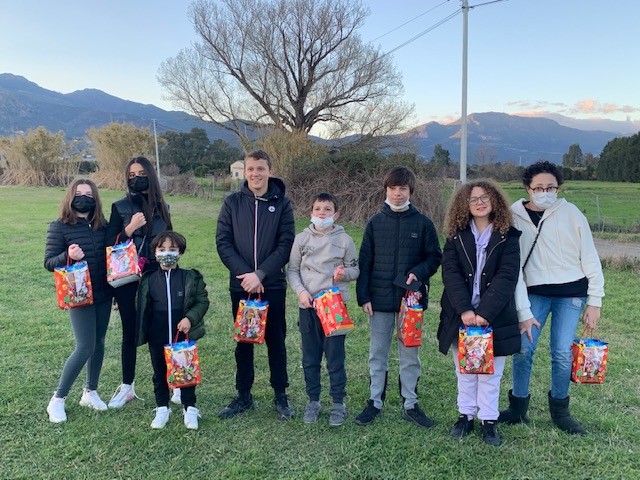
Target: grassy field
36 338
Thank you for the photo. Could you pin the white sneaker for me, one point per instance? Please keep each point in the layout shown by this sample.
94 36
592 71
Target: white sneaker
56 411
122 395
177 397
162 417
191 416
91 399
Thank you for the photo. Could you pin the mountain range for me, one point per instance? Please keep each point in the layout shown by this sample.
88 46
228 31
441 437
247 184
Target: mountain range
492 136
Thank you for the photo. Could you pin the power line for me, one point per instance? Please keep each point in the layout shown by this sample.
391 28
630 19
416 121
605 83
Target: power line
408 21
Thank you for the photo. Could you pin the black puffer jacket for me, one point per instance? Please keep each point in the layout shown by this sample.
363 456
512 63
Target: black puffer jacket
396 243
275 233
497 288
121 212
61 235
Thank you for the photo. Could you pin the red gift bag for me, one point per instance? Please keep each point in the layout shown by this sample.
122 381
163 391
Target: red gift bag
122 264
73 285
589 359
251 321
332 312
410 320
475 350
183 364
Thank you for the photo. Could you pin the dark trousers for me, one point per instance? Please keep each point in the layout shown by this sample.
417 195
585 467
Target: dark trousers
126 299
275 334
314 344
160 387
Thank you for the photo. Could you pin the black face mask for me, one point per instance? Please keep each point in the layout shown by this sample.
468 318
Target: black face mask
138 184
83 203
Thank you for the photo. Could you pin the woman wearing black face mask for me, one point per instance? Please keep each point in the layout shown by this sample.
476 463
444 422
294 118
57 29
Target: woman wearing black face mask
141 215
80 234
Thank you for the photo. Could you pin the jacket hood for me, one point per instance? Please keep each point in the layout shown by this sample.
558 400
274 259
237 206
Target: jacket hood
336 230
519 209
275 189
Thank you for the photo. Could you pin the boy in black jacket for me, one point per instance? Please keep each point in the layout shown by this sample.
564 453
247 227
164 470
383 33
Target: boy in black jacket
254 237
398 240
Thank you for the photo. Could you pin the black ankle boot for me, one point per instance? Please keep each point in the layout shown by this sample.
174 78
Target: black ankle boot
517 411
561 417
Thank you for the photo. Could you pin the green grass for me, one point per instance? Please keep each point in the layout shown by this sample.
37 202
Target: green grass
36 338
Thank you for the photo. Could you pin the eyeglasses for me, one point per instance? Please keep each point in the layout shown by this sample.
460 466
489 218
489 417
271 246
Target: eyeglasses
482 198
541 189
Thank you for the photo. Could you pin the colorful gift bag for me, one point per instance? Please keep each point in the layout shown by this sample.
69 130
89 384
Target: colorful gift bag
183 364
475 350
73 285
410 320
332 312
122 264
589 363
251 321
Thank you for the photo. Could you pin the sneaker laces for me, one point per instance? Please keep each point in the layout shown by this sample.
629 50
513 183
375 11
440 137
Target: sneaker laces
120 389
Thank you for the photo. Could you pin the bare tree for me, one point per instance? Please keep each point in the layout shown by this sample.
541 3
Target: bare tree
289 64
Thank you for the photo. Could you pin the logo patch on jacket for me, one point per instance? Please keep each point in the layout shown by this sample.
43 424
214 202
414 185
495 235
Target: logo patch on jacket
272 208
414 235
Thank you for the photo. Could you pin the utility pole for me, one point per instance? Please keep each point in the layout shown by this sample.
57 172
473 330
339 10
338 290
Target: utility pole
155 138
463 119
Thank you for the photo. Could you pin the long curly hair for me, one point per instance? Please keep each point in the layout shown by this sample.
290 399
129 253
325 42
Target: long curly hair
458 214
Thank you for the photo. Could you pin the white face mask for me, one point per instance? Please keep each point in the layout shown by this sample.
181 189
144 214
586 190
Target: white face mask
322 223
544 200
397 208
167 259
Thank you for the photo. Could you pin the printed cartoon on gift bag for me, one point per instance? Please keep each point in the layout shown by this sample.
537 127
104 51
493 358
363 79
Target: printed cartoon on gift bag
332 312
410 320
183 364
589 364
73 285
122 264
475 350
251 321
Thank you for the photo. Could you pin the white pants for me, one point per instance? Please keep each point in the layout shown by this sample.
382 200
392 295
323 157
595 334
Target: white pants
479 393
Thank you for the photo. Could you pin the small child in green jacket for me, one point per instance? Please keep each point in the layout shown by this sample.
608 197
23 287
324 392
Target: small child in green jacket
170 300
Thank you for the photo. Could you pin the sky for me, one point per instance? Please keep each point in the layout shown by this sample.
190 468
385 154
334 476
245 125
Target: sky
573 57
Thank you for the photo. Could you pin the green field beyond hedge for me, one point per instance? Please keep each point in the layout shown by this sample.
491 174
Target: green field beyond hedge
36 338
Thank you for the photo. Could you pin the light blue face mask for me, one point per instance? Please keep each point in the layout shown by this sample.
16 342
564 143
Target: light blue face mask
167 259
544 200
322 223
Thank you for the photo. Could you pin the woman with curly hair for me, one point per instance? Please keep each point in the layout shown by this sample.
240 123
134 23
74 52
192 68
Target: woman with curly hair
480 271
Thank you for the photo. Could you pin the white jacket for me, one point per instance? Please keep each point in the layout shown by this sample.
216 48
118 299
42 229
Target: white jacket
565 251
315 256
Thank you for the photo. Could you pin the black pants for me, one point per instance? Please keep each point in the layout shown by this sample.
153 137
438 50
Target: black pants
126 299
160 387
314 344
275 334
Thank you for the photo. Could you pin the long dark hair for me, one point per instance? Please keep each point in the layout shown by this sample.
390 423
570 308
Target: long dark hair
154 202
68 215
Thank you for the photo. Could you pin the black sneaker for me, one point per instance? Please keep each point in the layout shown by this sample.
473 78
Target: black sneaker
462 427
283 407
490 432
368 415
240 404
417 416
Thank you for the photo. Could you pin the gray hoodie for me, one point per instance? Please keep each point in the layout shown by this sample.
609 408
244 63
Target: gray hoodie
315 256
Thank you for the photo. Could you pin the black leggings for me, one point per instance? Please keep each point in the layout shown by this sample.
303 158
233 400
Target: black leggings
126 299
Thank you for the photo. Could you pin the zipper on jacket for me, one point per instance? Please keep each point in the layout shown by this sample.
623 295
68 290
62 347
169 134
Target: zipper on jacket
473 270
255 236
167 279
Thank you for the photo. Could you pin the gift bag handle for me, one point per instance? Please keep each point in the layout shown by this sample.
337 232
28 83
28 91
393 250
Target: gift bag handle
186 337
586 330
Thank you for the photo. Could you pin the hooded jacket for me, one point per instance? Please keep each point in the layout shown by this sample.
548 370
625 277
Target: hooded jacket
255 234
396 243
497 288
92 242
314 258
564 252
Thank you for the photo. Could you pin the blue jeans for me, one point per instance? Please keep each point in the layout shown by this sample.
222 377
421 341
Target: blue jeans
565 315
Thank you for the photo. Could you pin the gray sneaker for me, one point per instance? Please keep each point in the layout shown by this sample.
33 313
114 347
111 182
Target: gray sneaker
311 412
337 414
